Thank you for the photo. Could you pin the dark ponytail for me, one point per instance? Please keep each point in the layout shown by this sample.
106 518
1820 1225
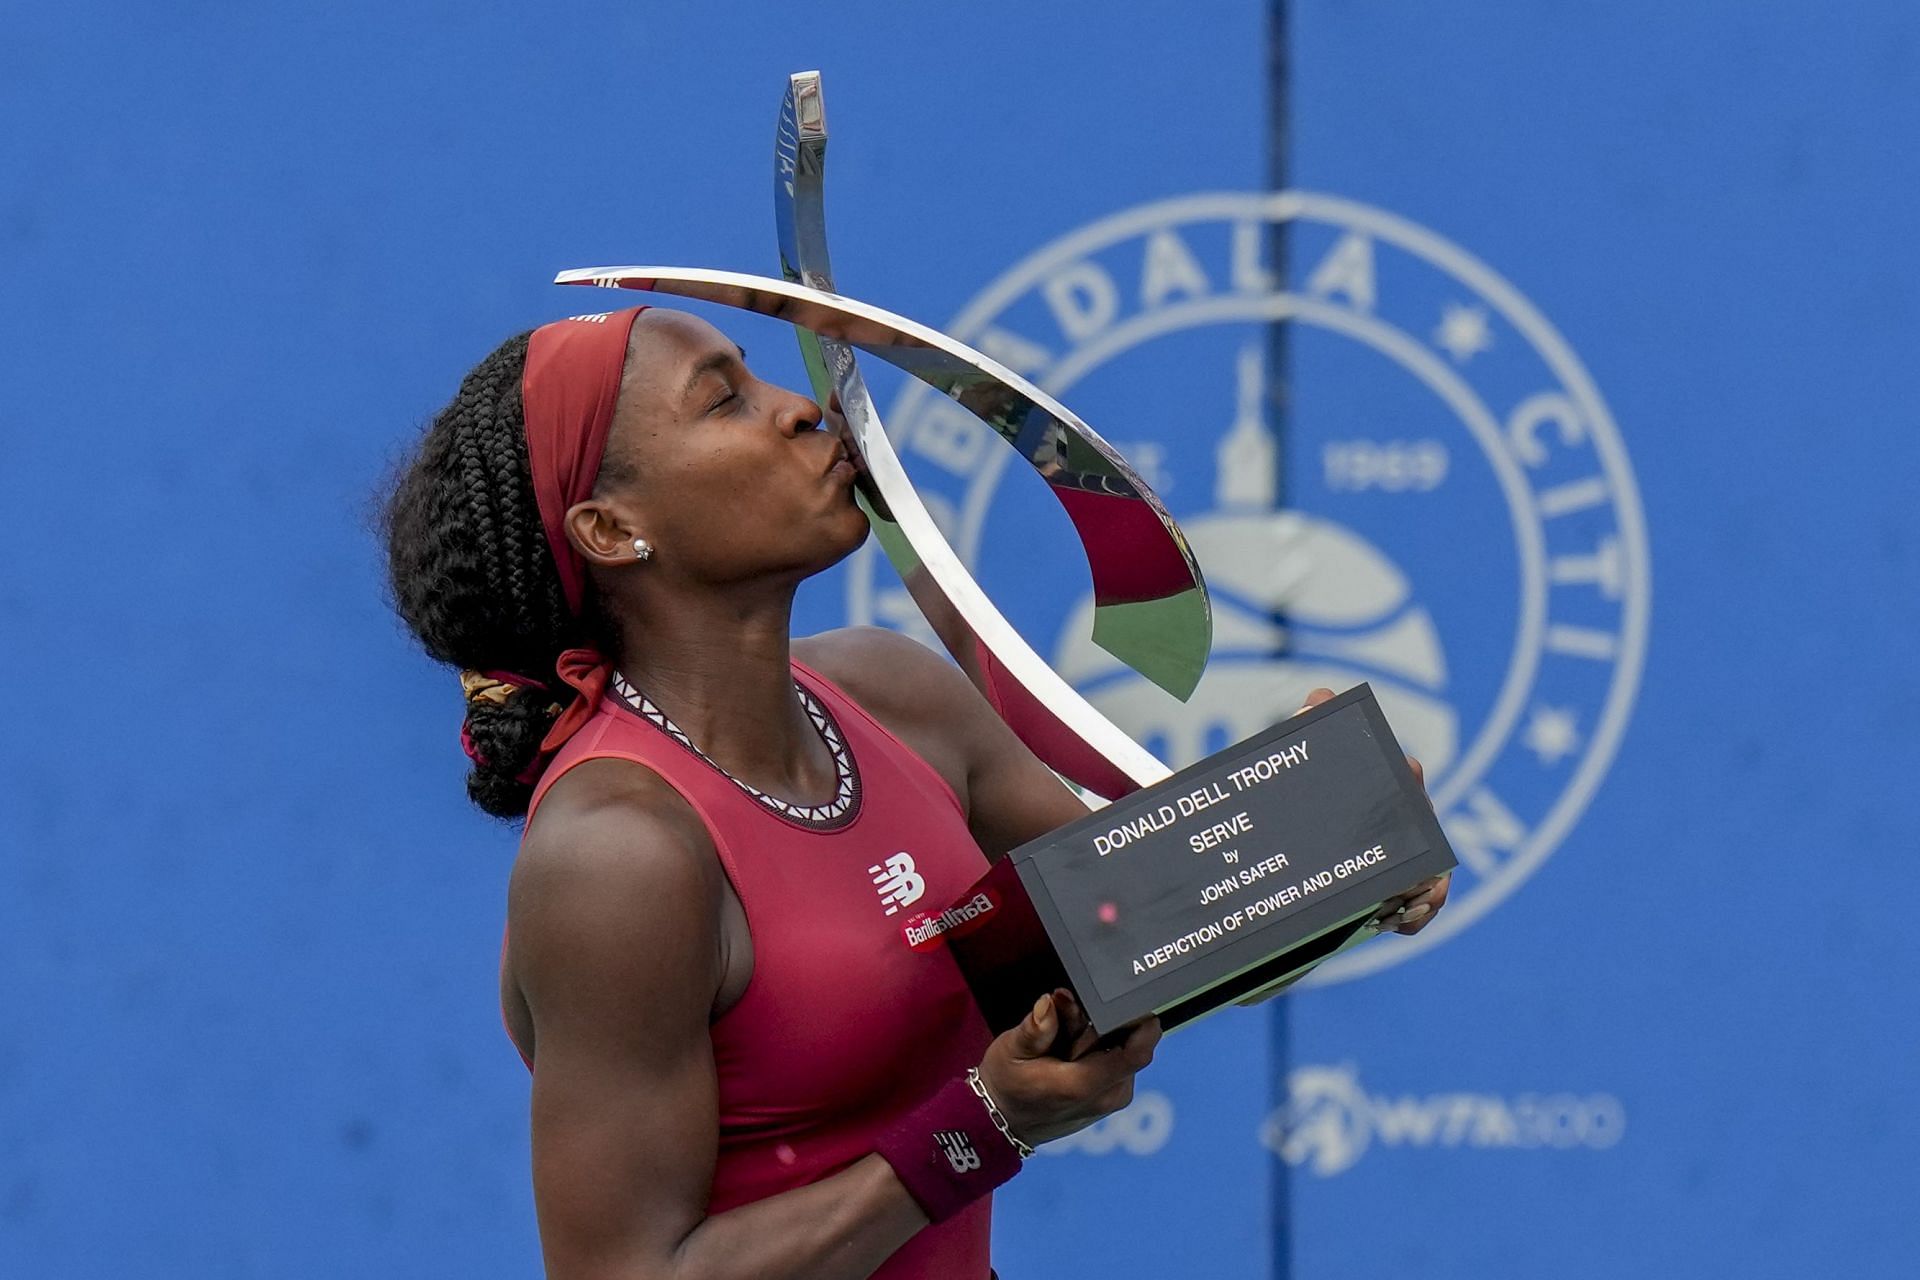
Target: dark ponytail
473 578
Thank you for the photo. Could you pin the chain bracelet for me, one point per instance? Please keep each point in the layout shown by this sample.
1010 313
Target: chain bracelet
999 1121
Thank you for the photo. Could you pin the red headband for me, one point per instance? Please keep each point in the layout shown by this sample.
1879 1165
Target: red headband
567 396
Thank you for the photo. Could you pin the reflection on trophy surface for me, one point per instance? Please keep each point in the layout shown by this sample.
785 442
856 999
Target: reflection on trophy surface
1298 601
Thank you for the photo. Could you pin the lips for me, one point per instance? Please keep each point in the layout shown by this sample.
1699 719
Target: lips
849 465
840 466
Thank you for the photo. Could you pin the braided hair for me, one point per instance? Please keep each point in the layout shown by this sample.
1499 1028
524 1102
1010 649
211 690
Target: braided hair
472 575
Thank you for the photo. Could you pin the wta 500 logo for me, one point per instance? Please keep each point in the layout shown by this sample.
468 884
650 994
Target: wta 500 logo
1329 1121
1436 502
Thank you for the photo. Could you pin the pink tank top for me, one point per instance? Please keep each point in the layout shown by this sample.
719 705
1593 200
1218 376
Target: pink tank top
851 1017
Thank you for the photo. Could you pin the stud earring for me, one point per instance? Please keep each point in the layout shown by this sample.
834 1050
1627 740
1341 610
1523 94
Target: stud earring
642 549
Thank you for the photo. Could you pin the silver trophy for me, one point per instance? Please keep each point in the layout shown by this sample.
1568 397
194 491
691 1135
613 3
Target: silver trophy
1353 823
1151 608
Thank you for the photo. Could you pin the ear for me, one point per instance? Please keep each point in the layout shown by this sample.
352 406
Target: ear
602 531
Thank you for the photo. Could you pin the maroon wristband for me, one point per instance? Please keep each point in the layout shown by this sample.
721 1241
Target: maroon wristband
947 1151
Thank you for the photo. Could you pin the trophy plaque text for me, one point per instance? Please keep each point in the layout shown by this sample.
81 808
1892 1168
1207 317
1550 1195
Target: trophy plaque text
1227 879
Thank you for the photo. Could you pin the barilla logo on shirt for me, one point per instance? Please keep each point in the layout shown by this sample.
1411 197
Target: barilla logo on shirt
924 931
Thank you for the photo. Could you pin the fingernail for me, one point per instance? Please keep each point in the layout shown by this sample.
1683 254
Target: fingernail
1414 913
1040 1008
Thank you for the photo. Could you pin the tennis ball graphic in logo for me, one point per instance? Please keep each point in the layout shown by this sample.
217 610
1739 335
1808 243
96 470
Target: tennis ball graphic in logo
1298 602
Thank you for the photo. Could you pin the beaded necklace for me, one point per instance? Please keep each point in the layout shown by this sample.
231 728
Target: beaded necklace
837 812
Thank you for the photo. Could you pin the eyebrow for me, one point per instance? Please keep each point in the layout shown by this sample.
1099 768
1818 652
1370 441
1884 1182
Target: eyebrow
710 362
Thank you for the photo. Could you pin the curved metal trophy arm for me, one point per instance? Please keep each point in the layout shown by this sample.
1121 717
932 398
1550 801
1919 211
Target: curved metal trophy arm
799 168
851 323
1051 717
799 206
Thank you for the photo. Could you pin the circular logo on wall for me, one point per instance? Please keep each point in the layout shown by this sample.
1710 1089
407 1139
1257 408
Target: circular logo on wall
1433 499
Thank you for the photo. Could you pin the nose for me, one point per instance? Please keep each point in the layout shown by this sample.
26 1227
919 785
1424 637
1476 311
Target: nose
798 413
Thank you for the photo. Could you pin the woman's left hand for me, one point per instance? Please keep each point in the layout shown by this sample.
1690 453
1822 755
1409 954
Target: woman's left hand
1415 909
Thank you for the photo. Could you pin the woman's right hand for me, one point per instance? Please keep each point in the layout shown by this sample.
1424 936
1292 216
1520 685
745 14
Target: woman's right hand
1044 1096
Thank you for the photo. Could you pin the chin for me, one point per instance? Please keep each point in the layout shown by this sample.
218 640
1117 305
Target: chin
837 545
856 536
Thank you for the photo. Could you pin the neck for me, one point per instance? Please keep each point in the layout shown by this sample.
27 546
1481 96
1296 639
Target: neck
719 665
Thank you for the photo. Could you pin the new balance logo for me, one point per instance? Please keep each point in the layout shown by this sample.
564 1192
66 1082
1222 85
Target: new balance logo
958 1149
899 884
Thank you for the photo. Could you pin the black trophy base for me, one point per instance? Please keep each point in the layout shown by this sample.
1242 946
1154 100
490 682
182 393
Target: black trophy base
1221 885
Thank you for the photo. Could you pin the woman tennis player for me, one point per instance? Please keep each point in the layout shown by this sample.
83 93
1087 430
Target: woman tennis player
740 1066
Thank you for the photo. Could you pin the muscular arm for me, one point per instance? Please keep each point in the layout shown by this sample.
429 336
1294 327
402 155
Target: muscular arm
614 912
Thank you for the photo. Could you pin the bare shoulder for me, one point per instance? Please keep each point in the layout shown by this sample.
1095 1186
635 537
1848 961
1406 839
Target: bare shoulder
890 674
922 699
1008 795
616 876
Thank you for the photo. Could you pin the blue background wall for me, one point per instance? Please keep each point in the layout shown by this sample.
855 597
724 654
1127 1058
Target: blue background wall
1712 203
250 924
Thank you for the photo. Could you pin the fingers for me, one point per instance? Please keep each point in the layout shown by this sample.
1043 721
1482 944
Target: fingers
1077 1033
1074 1033
1434 898
1136 1052
1034 1036
1420 776
1409 919
1141 1042
1414 910
1425 891
1045 1097
1101 1072
1314 699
